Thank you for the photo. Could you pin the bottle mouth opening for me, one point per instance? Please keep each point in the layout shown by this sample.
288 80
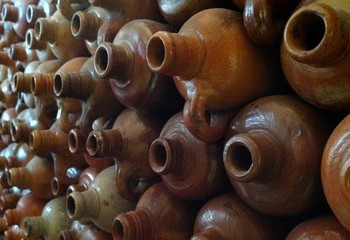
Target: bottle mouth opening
118 230
92 145
155 53
30 14
71 206
33 85
29 39
73 142
55 186
14 83
14 131
307 31
159 156
58 85
38 29
240 158
102 60
76 25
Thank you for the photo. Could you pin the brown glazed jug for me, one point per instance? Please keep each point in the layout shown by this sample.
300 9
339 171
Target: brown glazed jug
124 63
227 217
264 20
16 13
34 176
315 54
56 31
158 215
336 172
22 156
84 232
42 49
95 93
53 219
27 206
274 147
208 59
42 83
8 34
178 12
128 142
101 21
324 227
176 156
101 202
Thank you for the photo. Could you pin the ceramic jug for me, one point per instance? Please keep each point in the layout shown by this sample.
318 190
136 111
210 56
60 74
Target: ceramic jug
123 62
315 55
176 155
274 146
208 59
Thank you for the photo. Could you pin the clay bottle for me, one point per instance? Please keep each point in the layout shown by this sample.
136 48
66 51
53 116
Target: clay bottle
27 206
42 49
23 155
158 215
96 94
25 122
55 141
129 150
124 63
175 156
34 176
86 178
19 52
56 31
53 219
207 74
80 231
264 20
336 172
40 10
274 146
8 35
178 12
315 55
101 203
16 14
230 218
324 227
42 83
101 22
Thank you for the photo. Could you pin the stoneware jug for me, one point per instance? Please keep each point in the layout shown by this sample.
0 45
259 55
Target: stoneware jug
315 55
176 156
274 146
208 59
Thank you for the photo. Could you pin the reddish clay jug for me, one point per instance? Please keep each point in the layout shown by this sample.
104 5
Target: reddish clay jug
22 156
42 83
178 12
40 10
101 202
124 63
264 20
128 142
27 206
203 59
34 176
325 227
42 49
16 14
176 155
81 232
336 172
274 146
56 31
158 215
8 35
53 219
315 54
227 217
96 94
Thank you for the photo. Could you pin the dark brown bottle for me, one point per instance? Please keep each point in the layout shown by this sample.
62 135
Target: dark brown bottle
128 142
208 59
336 172
124 63
315 53
274 146
16 13
324 227
227 217
176 156
158 215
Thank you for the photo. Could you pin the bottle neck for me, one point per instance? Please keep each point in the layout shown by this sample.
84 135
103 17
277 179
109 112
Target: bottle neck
21 82
9 13
251 156
43 140
85 25
34 226
42 84
316 35
31 41
105 143
76 141
83 204
13 217
134 225
33 13
20 177
20 131
45 30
